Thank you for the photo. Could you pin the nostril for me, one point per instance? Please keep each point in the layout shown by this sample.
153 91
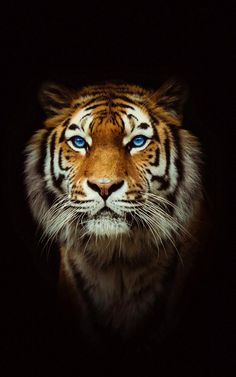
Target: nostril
104 189
115 187
94 186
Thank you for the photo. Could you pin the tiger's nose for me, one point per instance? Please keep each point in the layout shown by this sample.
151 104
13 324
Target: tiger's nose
105 186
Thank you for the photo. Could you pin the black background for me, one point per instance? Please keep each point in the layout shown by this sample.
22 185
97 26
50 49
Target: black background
143 44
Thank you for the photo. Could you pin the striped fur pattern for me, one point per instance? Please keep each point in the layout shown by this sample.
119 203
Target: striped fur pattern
125 216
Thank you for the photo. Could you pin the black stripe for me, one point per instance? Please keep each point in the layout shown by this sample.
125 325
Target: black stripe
106 97
65 124
123 112
130 116
179 167
60 161
178 160
118 120
102 113
73 127
50 196
155 123
59 181
62 137
143 126
52 150
167 153
157 158
85 116
91 125
122 122
56 181
160 178
124 106
164 180
81 201
95 106
43 153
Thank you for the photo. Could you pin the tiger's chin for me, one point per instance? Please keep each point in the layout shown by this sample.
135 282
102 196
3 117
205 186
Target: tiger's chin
107 225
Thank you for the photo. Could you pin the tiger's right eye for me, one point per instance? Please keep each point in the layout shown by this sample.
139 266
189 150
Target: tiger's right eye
78 142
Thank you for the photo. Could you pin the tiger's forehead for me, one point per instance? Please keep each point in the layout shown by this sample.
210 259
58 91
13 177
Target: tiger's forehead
128 119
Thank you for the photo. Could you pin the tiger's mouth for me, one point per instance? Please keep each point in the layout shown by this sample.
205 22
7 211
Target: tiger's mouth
107 223
106 212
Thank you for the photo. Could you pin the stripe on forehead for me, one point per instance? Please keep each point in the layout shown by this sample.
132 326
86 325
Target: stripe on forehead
137 119
134 118
81 120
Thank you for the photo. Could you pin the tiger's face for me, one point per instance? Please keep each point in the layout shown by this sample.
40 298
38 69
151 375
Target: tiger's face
113 159
107 153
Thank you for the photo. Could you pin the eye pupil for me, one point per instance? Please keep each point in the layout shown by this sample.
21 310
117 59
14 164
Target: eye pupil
78 142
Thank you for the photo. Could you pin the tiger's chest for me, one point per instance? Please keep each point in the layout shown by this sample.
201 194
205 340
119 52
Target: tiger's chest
120 297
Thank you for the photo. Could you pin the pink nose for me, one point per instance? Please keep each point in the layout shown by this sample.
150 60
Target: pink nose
104 189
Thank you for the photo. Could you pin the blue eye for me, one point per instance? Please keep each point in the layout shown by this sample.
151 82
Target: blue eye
78 142
138 141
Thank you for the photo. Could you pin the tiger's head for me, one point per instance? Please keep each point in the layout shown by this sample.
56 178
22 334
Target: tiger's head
112 159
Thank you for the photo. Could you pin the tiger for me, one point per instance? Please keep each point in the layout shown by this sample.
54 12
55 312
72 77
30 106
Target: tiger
116 181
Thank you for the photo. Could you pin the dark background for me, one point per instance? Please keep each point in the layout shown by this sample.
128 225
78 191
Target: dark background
142 44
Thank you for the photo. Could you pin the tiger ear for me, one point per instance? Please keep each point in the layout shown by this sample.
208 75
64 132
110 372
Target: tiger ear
172 96
54 97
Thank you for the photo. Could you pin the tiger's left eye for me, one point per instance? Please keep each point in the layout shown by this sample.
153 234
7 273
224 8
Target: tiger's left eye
78 142
138 141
